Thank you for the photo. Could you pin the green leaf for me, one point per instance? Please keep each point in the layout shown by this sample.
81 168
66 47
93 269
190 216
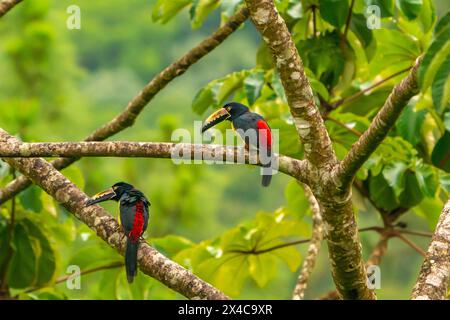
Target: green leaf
46 261
253 85
296 201
165 10
229 6
410 123
334 11
427 179
386 6
170 245
324 57
412 194
30 199
410 8
217 91
262 268
200 9
394 174
441 152
74 174
278 86
430 209
382 194
22 270
440 88
443 23
290 256
447 121
444 180
358 24
436 54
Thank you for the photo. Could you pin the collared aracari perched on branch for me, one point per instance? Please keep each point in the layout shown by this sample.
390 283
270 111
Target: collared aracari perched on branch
133 207
252 128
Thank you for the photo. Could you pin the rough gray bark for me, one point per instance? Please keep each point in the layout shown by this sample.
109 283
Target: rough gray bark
434 276
340 227
138 103
290 166
7 5
151 262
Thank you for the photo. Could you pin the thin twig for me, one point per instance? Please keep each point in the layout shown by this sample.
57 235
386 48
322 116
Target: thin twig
410 243
343 125
349 17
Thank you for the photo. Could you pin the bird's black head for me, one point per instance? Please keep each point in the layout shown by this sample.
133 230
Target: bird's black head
113 193
230 111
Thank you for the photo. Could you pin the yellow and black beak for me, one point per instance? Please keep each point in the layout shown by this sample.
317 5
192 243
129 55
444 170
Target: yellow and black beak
217 117
101 196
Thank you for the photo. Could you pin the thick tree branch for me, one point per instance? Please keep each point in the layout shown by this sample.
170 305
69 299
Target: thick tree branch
290 166
379 128
313 249
137 104
7 5
307 118
151 262
434 276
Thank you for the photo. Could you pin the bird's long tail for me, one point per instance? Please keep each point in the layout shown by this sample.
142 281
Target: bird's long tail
131 259
267 169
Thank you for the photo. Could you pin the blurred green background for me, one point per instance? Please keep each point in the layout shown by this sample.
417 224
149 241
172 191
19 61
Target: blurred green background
58 84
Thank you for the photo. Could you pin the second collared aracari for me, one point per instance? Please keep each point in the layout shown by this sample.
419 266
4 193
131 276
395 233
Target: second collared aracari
245 123
133 206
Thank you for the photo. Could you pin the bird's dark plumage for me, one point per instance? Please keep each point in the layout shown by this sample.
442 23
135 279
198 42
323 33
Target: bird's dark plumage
134 215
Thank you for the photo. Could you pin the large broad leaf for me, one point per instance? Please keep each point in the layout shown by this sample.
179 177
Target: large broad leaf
394 173
334 11
428 179
412 194
170 245
200 9
217 91
410 123
382 194
410 8
30 199
22 270
253 85
441 152
165 10
440 88
46 263
324 57
435 56
386 6
262 268
296 200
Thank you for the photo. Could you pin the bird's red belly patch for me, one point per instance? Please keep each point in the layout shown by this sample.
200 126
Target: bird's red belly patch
264 133
138 223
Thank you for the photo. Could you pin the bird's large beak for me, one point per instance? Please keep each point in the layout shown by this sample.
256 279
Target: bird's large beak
217 117
101 196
